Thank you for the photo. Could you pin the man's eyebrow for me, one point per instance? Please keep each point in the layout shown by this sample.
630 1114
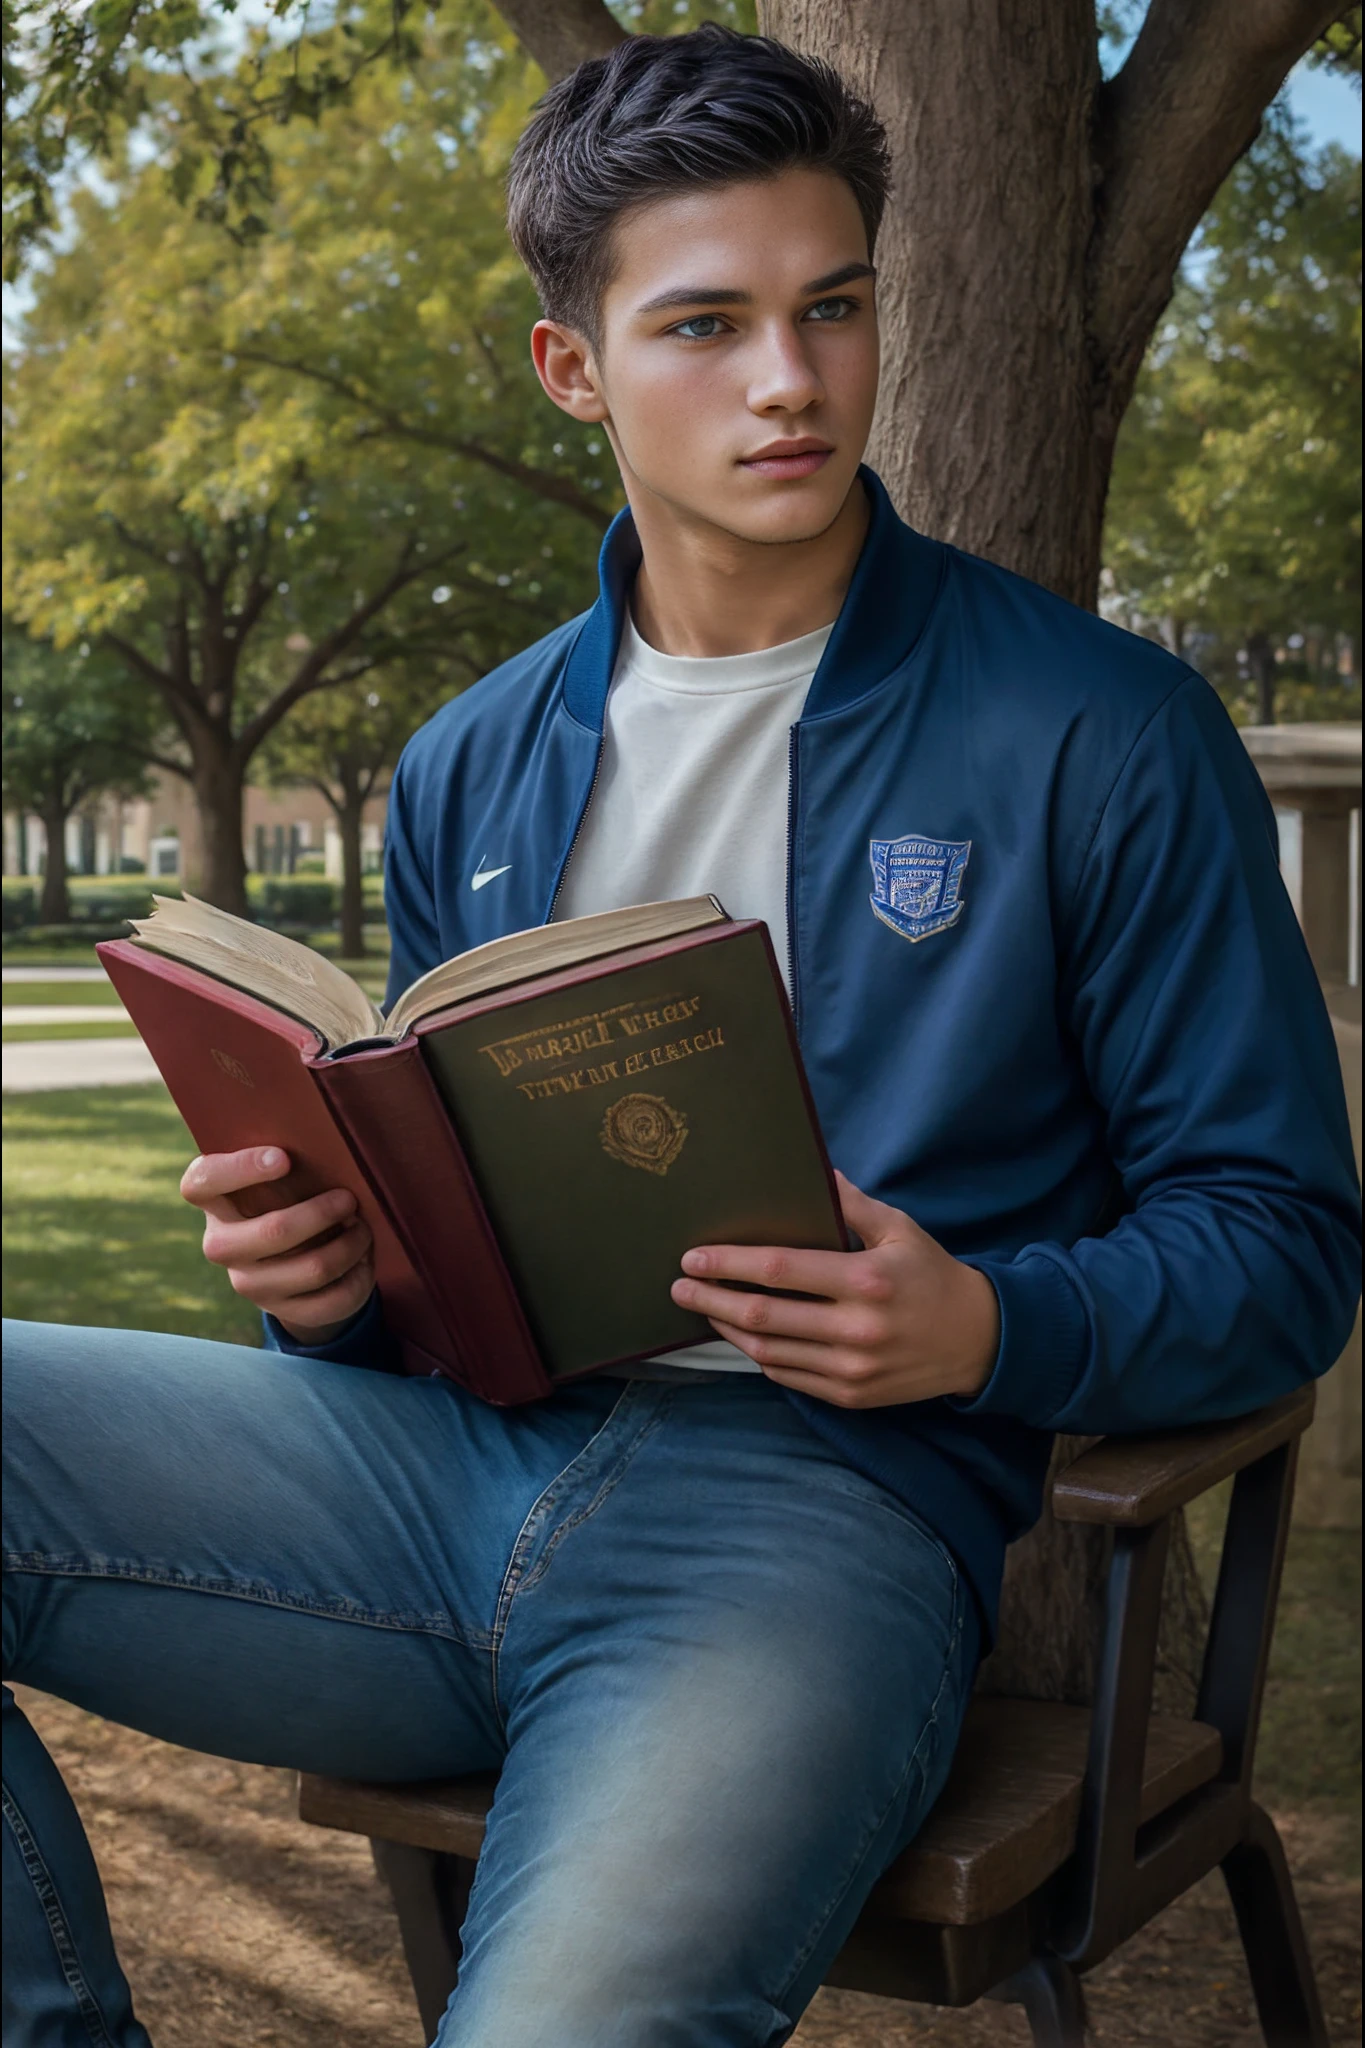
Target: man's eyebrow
726 295
695 295
848 273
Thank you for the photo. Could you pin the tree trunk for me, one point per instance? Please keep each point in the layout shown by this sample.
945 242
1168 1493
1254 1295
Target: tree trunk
218 784
350 813
1261 661
55 902
990 432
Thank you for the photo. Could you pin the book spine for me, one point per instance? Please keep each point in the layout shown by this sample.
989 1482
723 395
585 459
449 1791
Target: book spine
387 1106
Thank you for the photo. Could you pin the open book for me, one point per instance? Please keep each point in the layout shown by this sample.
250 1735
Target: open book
535 1133
307 985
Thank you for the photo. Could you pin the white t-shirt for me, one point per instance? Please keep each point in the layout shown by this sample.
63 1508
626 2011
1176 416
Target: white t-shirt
691 799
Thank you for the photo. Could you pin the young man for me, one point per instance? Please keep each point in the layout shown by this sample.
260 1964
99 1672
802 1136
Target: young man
716 1619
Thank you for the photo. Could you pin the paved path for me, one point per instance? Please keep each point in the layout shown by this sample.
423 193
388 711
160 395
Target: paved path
76 1063
53 974
63 1013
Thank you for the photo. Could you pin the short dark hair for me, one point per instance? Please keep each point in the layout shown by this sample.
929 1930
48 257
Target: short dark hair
666 114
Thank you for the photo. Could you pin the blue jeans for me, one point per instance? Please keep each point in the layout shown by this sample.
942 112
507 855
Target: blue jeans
722 1673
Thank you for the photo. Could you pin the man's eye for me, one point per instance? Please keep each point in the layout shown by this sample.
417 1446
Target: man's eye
831 309
701 327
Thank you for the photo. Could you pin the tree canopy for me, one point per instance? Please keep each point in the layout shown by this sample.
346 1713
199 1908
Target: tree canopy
74 727
254 470
1234 516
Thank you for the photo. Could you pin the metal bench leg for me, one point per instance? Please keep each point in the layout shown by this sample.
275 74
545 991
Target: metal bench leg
1054 2004
1278 1962
430 1892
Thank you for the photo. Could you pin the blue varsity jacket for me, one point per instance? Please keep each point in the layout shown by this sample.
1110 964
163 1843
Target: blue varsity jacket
1050 991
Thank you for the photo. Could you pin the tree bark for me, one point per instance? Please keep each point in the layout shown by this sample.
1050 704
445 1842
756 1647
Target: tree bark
1261 660
560 34
1037 221
985 433
218 782
350 815
54 904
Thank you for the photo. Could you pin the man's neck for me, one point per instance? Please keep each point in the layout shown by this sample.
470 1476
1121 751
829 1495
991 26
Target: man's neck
704 592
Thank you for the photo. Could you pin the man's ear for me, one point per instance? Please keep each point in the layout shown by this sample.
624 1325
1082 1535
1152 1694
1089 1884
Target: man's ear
565 367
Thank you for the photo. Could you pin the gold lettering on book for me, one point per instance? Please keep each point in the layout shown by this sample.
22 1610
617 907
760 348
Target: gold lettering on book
636 1022
556 1045
574 1079
643 1131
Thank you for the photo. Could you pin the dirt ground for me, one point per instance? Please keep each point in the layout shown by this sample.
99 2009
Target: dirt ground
241 1928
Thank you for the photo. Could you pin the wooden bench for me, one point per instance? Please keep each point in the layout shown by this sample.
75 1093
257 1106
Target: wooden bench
1061 1830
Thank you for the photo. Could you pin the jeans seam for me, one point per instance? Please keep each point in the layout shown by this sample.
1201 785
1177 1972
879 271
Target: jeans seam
543 1506
59 1927
869 1835
41 1566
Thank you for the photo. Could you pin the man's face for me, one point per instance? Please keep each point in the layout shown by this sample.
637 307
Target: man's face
737 370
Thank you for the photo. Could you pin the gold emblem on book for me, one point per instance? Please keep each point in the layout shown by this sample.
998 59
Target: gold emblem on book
644 1131
228 1063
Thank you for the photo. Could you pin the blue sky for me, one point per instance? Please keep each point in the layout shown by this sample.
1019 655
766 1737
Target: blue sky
1328 105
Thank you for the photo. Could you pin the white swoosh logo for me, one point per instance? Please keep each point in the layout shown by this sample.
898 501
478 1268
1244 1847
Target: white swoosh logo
483 875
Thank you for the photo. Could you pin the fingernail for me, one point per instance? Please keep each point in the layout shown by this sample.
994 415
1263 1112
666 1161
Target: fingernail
271 1158
342 1201
696 1262
681 1291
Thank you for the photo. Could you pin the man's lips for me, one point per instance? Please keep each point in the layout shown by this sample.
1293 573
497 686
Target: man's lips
801 458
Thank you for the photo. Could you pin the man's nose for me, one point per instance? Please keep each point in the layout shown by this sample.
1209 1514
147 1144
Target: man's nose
783 377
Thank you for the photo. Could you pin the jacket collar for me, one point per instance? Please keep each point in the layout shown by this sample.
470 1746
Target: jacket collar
883 614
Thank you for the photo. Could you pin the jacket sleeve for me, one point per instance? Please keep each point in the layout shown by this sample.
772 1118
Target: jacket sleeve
365 1341
1233 1273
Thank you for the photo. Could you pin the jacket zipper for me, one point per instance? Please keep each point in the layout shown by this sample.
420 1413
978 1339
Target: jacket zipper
792 983
577 830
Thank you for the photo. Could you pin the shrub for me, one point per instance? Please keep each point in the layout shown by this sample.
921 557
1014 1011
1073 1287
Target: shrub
79 938
308 900
20 903
104 899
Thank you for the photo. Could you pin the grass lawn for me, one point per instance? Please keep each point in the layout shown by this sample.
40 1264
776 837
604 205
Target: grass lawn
94 1228
71 953
371 973
95 1232
94 995
28 1034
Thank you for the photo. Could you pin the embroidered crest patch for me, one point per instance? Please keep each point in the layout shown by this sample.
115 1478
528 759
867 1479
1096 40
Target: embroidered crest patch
917 883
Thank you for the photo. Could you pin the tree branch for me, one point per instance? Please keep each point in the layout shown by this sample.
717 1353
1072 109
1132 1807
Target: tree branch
1169 127
180 695
312 674
545 483
145 547
561 34
166 763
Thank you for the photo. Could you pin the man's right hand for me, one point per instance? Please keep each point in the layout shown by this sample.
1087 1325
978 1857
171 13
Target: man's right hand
312 1293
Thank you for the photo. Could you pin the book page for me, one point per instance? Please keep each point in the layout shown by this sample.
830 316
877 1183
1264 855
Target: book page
290 976
545 948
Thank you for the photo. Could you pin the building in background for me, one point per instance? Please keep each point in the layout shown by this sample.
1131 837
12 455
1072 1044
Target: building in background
284 832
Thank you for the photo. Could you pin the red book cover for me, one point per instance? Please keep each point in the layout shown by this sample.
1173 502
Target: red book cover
239 1073
386 1102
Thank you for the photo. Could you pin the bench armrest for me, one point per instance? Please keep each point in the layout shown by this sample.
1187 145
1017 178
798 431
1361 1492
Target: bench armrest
1129 1482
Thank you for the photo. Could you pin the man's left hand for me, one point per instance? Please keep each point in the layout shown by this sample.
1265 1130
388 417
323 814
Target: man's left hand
900 1320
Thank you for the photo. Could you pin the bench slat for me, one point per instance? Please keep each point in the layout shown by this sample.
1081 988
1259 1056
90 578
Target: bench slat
1005 1822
